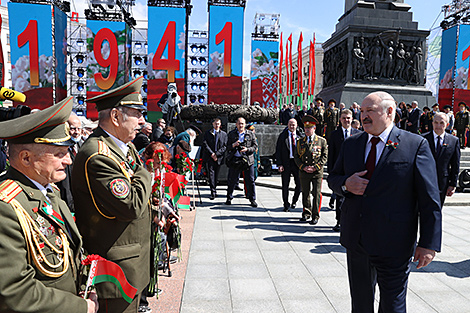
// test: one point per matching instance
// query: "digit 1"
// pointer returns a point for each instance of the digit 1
(30, 34)
(112, 61)
(465, 56)
(170, 64)
(225, 35)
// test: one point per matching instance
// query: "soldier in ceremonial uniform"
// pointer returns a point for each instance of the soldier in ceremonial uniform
(318, 113)
(331, 118)
(111, 189)
(310, 156)
(462, 124)
(40, 243)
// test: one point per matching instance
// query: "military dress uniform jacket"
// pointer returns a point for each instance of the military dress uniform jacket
(462, 120)
(331, 117)
(314, 153)
(113, 214)
(24, 286)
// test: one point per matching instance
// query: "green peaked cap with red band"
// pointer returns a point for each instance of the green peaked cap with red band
(127, 95)
(47, 126)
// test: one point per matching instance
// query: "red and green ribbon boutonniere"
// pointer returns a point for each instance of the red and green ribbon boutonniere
(392, 144)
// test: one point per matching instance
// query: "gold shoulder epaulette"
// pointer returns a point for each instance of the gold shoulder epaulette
(54, 186)
(103, 148)
(9, 189)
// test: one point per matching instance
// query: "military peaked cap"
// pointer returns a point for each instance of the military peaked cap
(127, 95)
(309, 121)
(47, 126)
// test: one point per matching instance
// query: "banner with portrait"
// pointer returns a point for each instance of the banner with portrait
(225, 54)
(264, 72)
(447, 66)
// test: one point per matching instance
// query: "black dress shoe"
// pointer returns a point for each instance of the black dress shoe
(253, 203)
(286, 208)
(228, 202)
(337, 227)
(238, 188)
(314, 220)
(332, 204)
(211, 197)
(292, 206)
(304, 219)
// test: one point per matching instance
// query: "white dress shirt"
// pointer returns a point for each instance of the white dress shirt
(291, 146)
(380, 146)
(435, 139)
(123, 146)
(346, 129)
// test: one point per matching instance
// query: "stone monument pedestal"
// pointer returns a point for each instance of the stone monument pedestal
(376, 46)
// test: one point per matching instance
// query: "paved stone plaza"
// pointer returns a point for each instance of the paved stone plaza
(245, 259)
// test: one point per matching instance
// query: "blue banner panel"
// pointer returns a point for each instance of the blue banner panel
(264, 72)
(225, 53)
(60, 22)
(447, 69)
(108, 56)
(31, 52)
(166, 54)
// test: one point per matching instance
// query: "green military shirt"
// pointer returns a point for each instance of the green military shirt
(462, 120)
(331, 117)
(111, 195)
(27, 282)
(314, 153)
(318, 113)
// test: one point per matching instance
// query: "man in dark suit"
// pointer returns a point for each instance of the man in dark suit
(446, 151)
(285, 150)
(334, 146)
(241, 143)
(214, 145)
(158, 130)
(389, 187)
(413, 118)
(288, 113)
(356, 111)
(142, 139)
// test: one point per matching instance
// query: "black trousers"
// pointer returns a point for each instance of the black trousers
(212, 168)
(249, 176)
(290, 170)
(339, 204)
(391, 274)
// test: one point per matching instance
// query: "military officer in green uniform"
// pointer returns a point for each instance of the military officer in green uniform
(462, 124)
(39, 241)
(318, 113)
(310, 156)
(111, 190)
(331, 118)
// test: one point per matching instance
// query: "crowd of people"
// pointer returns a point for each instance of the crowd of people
(67, 188)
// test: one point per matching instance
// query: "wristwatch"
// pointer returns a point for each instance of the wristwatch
(344, 189)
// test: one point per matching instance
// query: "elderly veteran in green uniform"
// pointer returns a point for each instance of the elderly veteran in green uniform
(111, 190)
(39, 241)
(310, 156)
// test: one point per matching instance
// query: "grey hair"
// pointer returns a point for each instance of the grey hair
(444, 115)
(387, 100)
(14, 149)
(191, 133)
(105, 114)
(414, 102)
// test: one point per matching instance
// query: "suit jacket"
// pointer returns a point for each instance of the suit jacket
(402, 190)
(356, 115)
(413, 118)
(112, 196)
(141, 141)
(249, 142)
(211, 146)
(287, 115)
(23, 287)
(156, 133)
(334, 145)
(283, 148)
(65, 185)
(448, 160)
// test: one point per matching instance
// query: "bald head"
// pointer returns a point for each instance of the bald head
(377, 112)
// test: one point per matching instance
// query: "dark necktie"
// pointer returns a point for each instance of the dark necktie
(371, 158)
(345, 133)
(293, 141)
(438, 146)
(52, 198)
(215, 135)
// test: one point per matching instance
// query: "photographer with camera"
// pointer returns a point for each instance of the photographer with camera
(241, 145)
(170, 104)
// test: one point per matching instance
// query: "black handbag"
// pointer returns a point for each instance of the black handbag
(238, 163)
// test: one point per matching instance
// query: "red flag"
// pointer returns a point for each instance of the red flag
(290, 64)
(184, 202)
(312, 71)
(281, 59)
(102, 270)
(300, 88)
(287, 68)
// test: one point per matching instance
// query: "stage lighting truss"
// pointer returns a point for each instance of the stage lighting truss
(168, 3)
(63, 5)
(456, 13)
(197, 99)
(77, 65)
(266, 26)
(228, 3)
(197, 67)
(111, 10)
